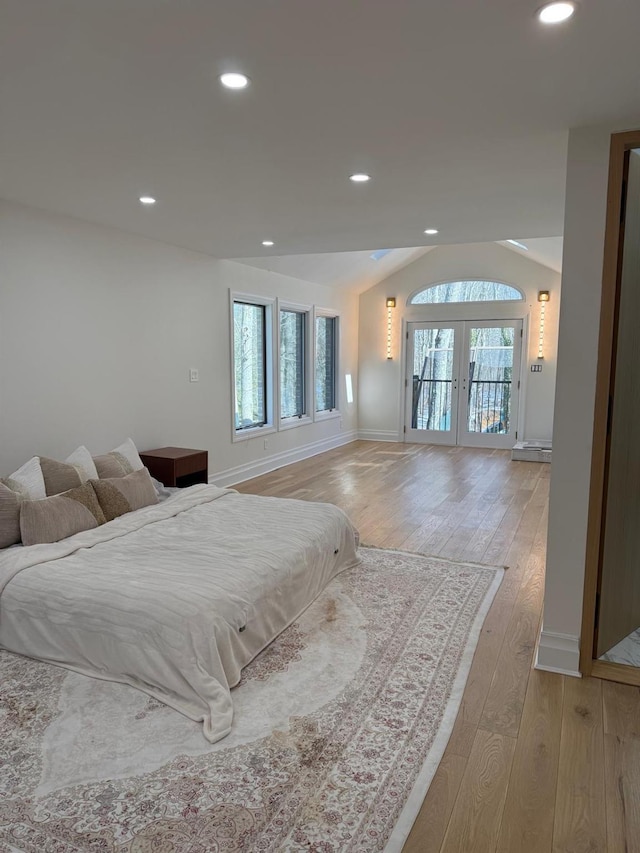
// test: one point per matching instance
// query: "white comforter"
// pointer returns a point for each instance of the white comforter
(176, 598)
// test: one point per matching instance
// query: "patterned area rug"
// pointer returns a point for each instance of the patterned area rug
(339, 726)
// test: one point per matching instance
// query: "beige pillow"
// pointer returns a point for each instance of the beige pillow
(9, 516)
(59, 476)
(27, 483)
(28, 480)
(118, 495)
(124, 460)
(57, 517)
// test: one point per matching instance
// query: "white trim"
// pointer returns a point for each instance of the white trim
(379, 435)
(240, 473)
(558, 653)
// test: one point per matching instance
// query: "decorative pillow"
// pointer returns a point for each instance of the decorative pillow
(57, 517)
(28, 480)
(59, 476)
(118, 495)
(119, 462)
(9, 516)
(83, 463)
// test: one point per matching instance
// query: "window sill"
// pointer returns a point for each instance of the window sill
(328, 416)
(292, 423)
(253, 432)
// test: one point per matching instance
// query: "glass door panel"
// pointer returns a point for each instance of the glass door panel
(490, 384)
(432, 383)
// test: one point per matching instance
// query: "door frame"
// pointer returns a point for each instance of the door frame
(519, 373)
(621, 143)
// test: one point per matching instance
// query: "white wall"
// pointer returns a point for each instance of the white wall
(380, 383)
(98, 330)
(585, 213)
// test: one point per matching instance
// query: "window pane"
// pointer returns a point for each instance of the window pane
(292, 367)
(490, 379)
(326, 328)
(467, 291)
(249, 345)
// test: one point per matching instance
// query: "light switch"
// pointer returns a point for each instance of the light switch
(194, 376)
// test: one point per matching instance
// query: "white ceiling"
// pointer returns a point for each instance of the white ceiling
(458, 108)
(359, 271)
(356, 270)
(544, 250)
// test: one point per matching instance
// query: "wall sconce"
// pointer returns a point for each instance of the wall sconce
(391, 303)
(543, 298)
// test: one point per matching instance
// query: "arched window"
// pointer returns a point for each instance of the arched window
(466, 291)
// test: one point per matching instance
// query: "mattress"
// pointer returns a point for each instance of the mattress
(174, 599)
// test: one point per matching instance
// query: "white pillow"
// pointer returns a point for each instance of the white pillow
(83, 463)
(130, 453)
(28, 480)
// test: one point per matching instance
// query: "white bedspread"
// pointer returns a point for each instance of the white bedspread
(176, 598)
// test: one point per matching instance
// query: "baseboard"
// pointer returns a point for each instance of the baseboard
(240, 473)
(559, 653)
(378, 435)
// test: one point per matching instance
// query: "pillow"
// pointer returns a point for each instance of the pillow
(59, 476)
(118, 495)
(119, 462)
(28, 480)
(57, 517)
(83, 463)
(9, 516)
(27, 483)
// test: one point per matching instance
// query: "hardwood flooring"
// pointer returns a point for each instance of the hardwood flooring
(536, 763)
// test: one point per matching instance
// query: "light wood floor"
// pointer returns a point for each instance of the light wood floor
(537, 763)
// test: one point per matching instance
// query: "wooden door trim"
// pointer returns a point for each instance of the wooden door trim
(616, 671)
(620, 144)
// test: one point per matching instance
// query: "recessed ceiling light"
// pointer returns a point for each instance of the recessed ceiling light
(267, 242)
(555, 13)
(147, 199)
(359, 178)
(431, 231)
(519, 245)
(234, 80)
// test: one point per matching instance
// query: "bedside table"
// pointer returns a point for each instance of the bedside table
(177, 466)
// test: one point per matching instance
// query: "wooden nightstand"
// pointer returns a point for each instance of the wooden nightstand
(177, 466)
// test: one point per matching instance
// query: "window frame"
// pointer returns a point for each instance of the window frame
(269, 304)
(294, 421)
(328, 414)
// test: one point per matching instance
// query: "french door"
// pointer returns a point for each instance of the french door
(462, 382)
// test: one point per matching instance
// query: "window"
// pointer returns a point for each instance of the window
(466, 291)
(251, 363)
(326, 363)
(293, 363)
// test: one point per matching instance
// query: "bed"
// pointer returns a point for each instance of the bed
(175, 598)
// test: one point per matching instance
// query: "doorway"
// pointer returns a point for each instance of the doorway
(462, 382)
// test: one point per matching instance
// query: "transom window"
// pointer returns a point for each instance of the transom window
(466, 291)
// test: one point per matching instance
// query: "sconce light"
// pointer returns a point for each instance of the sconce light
(391, 303)
(543, 298)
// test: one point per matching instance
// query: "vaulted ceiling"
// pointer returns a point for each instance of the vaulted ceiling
(458, 109)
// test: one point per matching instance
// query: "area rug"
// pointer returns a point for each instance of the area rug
(339, 727)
